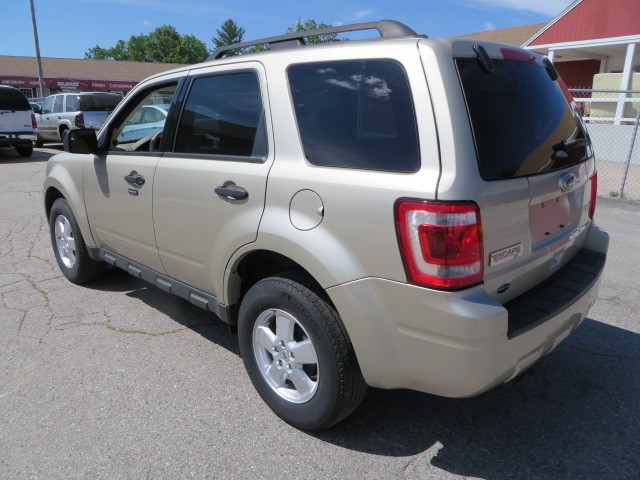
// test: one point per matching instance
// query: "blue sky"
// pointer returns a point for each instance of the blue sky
(68, 28)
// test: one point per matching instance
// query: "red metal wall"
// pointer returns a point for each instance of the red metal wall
(593, 19)
(579, 73)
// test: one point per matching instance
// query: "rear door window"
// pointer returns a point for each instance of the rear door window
(57, 103)
(519, 118)
(72, 103)
(356, 114)
(13, 100)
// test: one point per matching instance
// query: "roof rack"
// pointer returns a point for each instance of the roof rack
(386, 28)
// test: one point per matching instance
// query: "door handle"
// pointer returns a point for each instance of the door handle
(235, 192)
(134, 178)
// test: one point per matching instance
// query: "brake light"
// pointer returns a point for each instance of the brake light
(440, 243)
(517, 55)
(34, 123)
(594, 195)
(79, 120)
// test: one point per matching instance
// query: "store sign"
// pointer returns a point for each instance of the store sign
(68, 84)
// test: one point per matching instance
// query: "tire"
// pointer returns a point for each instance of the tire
(298, 355)
(39, 142)
(25, 150)
(69, 247)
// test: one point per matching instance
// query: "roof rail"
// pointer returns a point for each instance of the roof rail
(386, 28)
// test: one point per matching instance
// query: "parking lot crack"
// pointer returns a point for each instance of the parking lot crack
(599, 354)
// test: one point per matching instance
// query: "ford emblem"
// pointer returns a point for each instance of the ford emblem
(567, 181)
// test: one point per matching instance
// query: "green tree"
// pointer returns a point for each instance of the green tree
(163, 45)
(304, 25)
(229, 33)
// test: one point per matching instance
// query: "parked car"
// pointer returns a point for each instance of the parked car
(69, 111)
(17, 121)
(149, 119)
(402, 212)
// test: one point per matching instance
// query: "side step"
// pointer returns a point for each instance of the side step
(197, 297)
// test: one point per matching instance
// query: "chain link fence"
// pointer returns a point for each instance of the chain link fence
(612, 118)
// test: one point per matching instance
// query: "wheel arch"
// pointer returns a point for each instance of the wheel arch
(62, 182)
(255, 265)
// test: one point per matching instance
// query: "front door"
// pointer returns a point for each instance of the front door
(118, 187)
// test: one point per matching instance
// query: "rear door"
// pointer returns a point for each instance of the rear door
(15, 112)
(534, 166)
(209, 189)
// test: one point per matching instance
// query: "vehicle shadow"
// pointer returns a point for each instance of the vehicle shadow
(9, 155)
(575, 414)
(181, 311)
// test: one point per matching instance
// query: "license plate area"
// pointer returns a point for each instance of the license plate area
(551, 218)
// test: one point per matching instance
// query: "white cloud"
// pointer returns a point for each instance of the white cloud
(489, 26)
(146, 23)
(545, 7)
(360, 14)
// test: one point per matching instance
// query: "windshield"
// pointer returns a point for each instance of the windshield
(521, 122)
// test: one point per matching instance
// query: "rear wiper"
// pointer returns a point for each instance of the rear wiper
(566, 145)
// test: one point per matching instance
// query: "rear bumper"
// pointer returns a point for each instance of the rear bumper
(456, 344)
(16, 139)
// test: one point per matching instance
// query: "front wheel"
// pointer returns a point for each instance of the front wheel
(69, 247)
(298, 354)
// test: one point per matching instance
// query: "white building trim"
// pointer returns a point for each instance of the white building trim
(552, 22)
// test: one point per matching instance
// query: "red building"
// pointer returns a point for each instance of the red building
(591, 37)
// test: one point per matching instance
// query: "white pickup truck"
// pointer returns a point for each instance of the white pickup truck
(68, 111)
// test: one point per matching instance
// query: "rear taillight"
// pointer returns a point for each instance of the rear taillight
(34, 123)
(79, 120)
(594, 195)
(440, 243)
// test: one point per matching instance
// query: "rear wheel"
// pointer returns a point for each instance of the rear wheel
(69, 247)
(298, 354)
(25, 150)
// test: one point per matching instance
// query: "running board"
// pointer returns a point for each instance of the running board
(197, 297)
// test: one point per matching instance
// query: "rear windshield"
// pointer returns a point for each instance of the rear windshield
(356, 114)
(518, 115)
(13, 99)
(99, 103)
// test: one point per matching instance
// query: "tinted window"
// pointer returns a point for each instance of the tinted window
(223, 115)
(72, 103)
(356, 114)
(99, 102)
(517, 115)
(13, 99)
(57, 104)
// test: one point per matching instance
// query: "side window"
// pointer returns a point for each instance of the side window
(72, 103)
(356, 114)
(137, 132)
(223, 115)
(57, 104)
(47, 106)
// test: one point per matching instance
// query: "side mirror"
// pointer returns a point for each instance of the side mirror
(83, 140)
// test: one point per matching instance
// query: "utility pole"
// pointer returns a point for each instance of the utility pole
(35, 37)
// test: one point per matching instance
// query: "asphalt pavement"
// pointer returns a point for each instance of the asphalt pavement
(118, 379)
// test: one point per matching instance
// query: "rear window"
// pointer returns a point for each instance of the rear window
(98, 103)
(13, 99)
(518, 114)
(356, 114)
